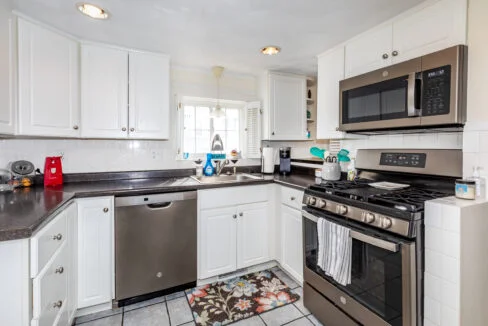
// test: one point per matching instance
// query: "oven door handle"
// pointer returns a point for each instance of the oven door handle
(380, 243)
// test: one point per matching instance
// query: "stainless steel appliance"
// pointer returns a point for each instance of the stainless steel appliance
(425, 92)
(387, 234)
(155, 243)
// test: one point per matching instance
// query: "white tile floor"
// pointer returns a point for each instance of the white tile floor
(174, 310)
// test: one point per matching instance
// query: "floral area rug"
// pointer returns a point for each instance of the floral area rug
(242, 297)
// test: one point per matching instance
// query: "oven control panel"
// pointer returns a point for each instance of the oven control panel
(413, 160)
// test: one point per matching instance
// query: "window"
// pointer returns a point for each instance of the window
(237, 128)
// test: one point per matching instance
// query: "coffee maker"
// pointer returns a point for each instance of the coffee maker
(285, 160)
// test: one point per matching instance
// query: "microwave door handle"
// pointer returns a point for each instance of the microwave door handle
(390, 246)
(413, 111)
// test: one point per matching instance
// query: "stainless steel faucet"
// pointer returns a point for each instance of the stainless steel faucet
(219, 165)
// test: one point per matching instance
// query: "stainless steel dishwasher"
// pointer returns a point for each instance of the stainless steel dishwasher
(155, 243)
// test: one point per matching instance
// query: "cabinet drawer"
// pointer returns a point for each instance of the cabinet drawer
(292, 197)
(45, 243)
(50, 287)
(231, 196)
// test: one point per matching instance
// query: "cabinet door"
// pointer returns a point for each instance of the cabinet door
(366, 52)
(48, 82)
(439, 25)
(149, 96)
(330, 72)
(95, 251)
(7, 71)
(217, 243)
(291, 242)
(287, 107)
(72, 220)
(104, 92)
(252, 234)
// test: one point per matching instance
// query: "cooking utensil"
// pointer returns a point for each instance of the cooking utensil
(317, 152)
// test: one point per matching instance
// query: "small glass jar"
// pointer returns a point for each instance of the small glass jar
(318, 173)
(466, 189)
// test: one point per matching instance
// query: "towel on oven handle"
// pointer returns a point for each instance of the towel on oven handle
(334, 251)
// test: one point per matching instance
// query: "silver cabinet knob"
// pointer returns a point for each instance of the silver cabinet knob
(132, 129)
(272, 133)
(341, 209)
(75, 127)
(105, 209)
(292, 198)
(58, 304)
(234, 216)
(58, 236)
(385, 56)
(124, 129)
(241, 214)
(59, 270)
(394, 53)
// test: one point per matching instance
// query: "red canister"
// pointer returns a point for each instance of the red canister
(53, 171)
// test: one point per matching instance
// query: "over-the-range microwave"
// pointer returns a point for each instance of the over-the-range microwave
(426, 92)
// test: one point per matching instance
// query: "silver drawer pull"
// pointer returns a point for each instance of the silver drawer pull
(59, 270)
(58, 236)
(292, 198)
(58, 304)
(105, 209)
(241, 214)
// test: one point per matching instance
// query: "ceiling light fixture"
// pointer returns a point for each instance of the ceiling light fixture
(217, 112)
(271, 50)
(92, 11)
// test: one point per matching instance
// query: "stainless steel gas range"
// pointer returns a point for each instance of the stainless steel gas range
(387, 233)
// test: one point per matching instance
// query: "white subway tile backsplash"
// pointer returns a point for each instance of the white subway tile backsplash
(432, 310)
(433, 261)
(432, 287)
(451, 219)
(470, 142)
(450, 294)
(483, 142)
(449, 317)
(433, 238)
(433, 214)
(427, 322)
(449, 269)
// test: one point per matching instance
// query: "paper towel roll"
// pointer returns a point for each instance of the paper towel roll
(268, 162)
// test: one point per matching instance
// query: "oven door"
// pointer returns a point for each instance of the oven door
(383, 276)
(382, 99)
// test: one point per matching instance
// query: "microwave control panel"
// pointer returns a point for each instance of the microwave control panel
(413, 160)
(436, 91)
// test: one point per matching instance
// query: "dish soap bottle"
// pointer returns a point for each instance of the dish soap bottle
(351, 170)
(209, 170)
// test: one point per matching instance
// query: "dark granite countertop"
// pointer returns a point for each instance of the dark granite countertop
(23, 211)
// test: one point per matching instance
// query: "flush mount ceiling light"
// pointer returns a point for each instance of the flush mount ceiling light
(92, 11)
(270, 50)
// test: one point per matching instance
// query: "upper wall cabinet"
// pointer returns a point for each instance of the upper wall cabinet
(124, 94)
(7, 72)
(431, 26)
(48, 82)
(285, 113)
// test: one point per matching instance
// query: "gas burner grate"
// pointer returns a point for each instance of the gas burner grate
(331, 186)
(411, 199)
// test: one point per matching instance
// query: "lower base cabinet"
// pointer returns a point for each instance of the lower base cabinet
(292, 242)
(95, 251)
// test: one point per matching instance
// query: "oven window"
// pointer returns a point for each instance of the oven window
(376, 277)
(381, 101)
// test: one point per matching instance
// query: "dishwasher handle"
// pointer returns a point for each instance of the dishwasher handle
(155, 199)
(160, 205)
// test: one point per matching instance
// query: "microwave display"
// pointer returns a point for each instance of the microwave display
(436, 91)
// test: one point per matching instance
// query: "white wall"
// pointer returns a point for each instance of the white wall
(130, 155)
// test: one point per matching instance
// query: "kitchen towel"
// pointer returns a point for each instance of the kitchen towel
(334, 251)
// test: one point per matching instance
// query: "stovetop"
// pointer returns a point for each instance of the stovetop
(410, 199)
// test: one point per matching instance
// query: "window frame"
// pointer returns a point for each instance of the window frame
(209, 102)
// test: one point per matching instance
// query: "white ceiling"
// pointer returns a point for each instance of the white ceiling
(229, 33)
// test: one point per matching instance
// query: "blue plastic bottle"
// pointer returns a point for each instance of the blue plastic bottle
(208, 169)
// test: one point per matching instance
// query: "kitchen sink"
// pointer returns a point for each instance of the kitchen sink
(239, 177)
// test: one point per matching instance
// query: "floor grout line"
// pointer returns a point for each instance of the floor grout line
(291, 321)
(167, 311)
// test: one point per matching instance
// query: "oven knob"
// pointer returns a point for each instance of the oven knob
(369, 217)
(311, 200)
(341, 209)
(386, 223)
(321, 203)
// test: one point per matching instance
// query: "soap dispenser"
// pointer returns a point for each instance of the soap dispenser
(209, 170)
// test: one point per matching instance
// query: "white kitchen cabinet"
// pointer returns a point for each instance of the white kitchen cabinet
(369, 51)
(285, 112)
(252, 234)
(233, 229)
(95, 251)
(429, 27)
(104, 92)
(72, 273)
(125, 94)
(148, 96)
(7, 71)
(291, 242)
(48, 82)
(436, 26)
(217, 241)
(330, 73)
